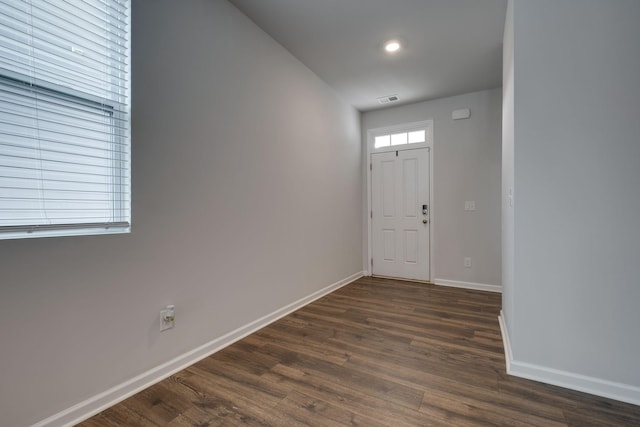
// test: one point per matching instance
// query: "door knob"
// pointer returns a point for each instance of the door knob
(425, 221)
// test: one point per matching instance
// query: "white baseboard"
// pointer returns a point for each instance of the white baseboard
(106, 399)
(468, 285)
(596, 386)
(508, 356)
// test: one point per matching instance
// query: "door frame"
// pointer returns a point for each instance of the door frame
(406, 127)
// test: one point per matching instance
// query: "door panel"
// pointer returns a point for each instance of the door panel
(400, 186)
(388, 189)
(389, 245)
(410, 187)
(411, 246)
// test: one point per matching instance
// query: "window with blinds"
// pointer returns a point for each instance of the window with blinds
(64, 117)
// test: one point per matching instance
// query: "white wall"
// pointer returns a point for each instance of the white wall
(246, 197)
(466, 167)
(577, 175)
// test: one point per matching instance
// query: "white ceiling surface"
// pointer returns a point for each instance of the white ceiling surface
(452, 46)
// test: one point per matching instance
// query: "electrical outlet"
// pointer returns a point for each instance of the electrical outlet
(469, 205)
(467, 262)
(167, 317)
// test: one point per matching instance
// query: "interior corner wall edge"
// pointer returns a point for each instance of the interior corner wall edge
(508, 189)
(234, 214)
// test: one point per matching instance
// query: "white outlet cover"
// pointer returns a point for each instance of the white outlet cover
(164, 325)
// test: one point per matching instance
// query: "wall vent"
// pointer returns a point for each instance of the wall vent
(388, 99)
(464, 113)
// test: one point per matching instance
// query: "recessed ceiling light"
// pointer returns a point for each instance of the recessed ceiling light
(392, 46)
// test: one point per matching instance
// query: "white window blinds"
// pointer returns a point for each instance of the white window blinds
(64, 116)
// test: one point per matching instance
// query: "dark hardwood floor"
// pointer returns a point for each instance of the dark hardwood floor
(377, 352)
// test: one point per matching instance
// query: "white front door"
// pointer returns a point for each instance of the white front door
(400, 213)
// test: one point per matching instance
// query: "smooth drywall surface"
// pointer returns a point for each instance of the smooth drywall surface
(577, 174)
(466, 167)
(508, 190)
(246, 197)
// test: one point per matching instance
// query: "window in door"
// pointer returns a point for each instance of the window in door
(401, 138)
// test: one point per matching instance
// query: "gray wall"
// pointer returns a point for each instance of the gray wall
(577, 175)
(466, 167)
(508, 189)
(246, 197)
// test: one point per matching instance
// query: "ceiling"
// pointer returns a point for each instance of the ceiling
(451, 46)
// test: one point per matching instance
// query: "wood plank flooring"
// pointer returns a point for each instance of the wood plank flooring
(377, 352)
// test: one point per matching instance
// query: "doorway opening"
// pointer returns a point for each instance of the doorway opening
(400, 201)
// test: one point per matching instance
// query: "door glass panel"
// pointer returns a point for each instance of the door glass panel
(399, 138)
(382, 141)
(417, 136)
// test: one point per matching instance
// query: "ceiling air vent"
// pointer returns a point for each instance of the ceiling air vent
(388, 99)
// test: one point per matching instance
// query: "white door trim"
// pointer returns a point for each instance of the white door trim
(371, 134)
